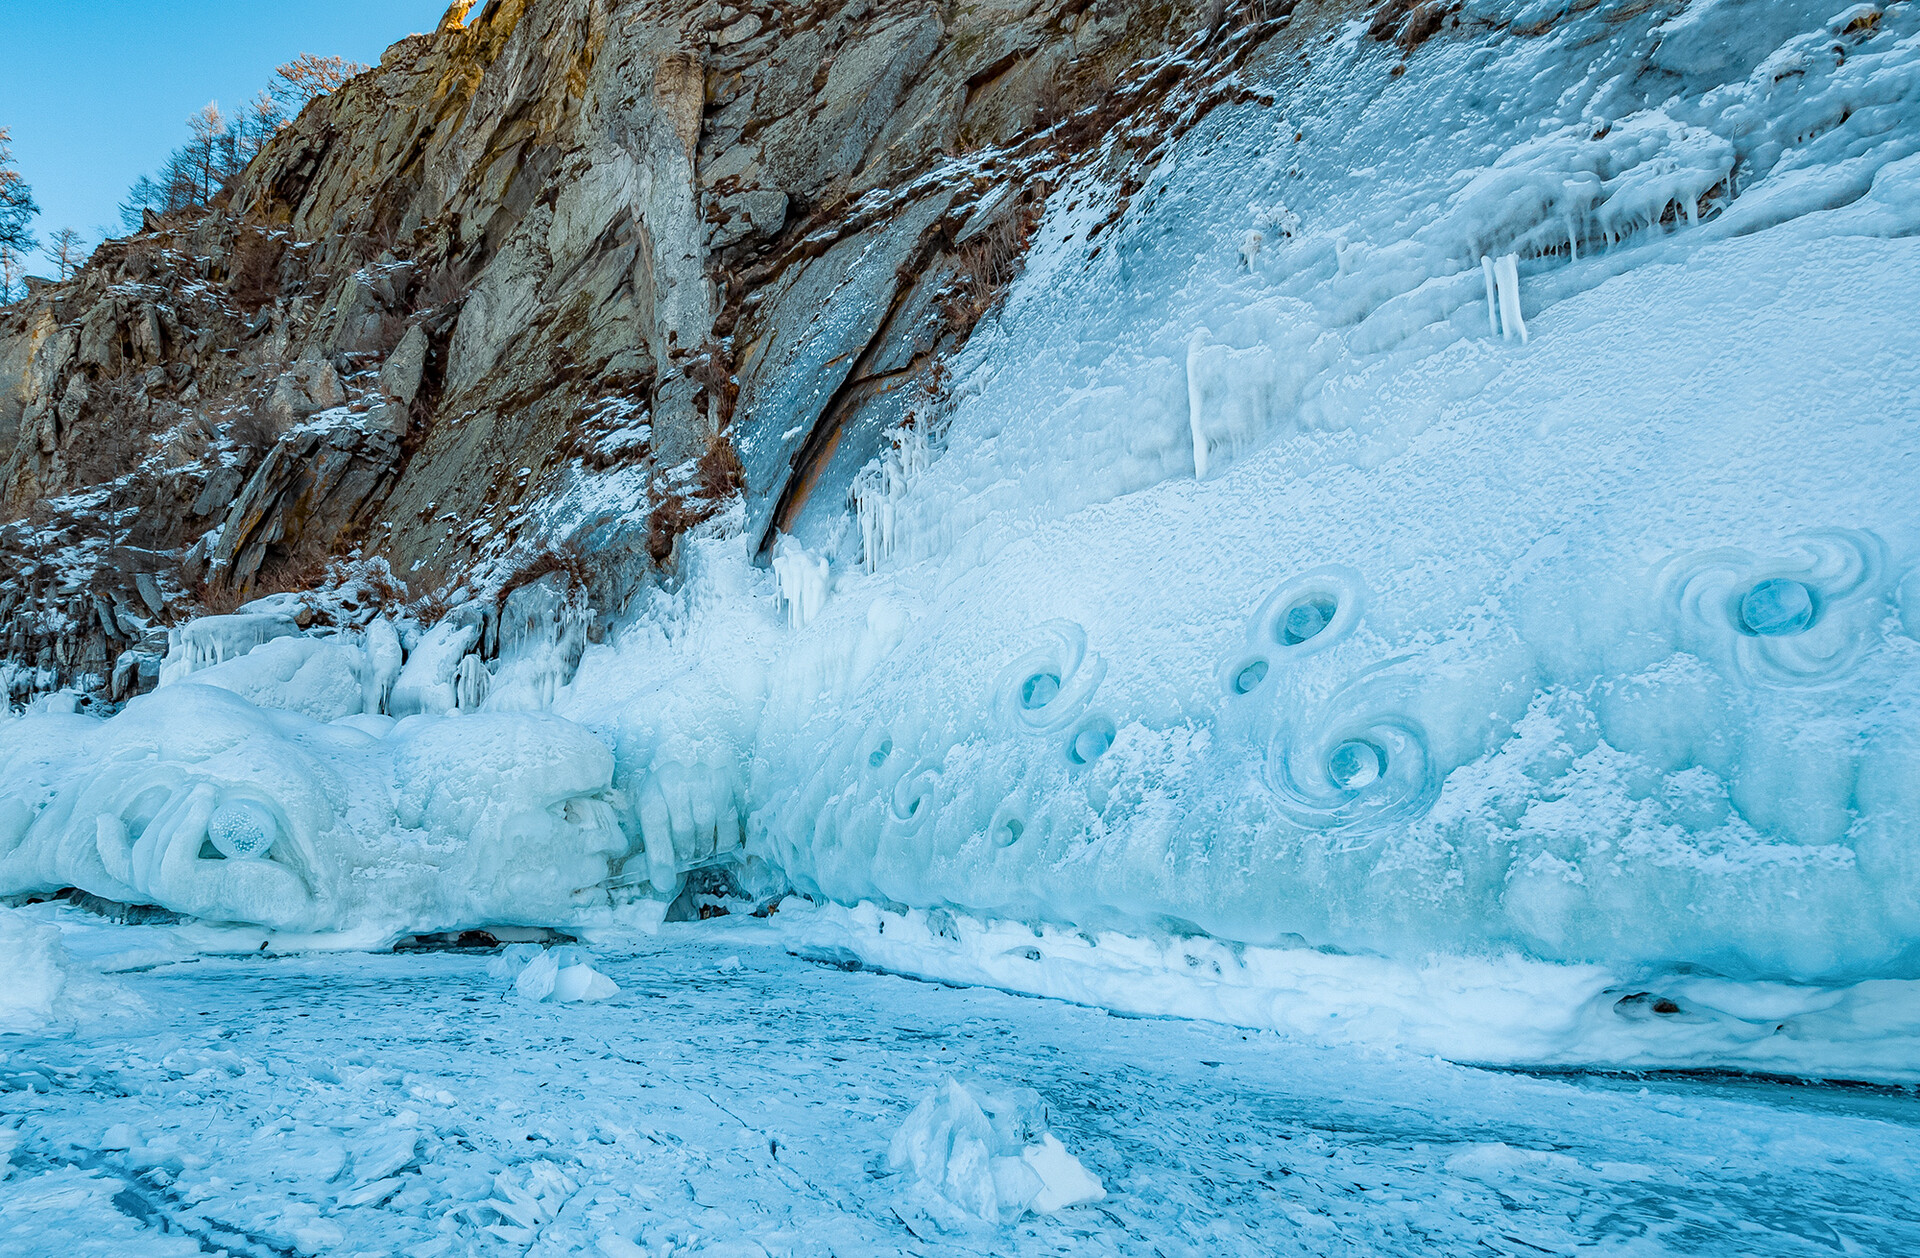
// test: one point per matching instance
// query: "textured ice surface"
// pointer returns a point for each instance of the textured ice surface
(1595, 646)
(734, 1100)
(193, 799)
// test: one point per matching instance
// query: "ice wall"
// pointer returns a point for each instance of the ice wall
(1597, 643)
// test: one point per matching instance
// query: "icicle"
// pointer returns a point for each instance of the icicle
(880, 491)
(1195, 420)
(1493, 302)
(1507, 272)
(471, 683)
(1250, 248)
(803, 581)
(1573, 243)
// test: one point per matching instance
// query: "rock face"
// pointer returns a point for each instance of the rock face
(561, 273)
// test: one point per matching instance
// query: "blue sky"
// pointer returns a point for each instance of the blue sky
(97, 92)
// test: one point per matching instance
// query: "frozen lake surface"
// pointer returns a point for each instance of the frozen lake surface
(733, 1099)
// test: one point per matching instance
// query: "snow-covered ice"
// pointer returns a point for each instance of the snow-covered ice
(409, 1104)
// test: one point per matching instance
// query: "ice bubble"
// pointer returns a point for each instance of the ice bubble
(1305, 620)
(1010, 831)
(879, 755)
(1356, 764)
(242, 829)
(1250, 677)
(1091, 741)
(1039, 691)
(1776, 608)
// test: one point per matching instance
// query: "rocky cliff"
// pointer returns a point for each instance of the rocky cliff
(548, 287)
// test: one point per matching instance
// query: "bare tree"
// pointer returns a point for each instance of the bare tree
(217, 151)
(13, 269)
(307, 76)
(17, 209)
(67, 249)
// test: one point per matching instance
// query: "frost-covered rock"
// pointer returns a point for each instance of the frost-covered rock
(1593, 644)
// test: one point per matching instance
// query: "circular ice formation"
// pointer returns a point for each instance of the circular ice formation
(1777, 607)
(1047, 687)
(1356, 764)
(243, 829)
(1038, 691)
(1247, 678)
(1356, 760)
(1091, 740)
(1009, 824)
(1308, 613)
(1306, 618)
(913, 795)
(1804, 616)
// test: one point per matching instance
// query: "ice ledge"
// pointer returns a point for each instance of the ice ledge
(1495, 1010)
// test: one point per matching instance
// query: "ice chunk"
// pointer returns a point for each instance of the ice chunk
(45, 984)
(426, 682)
(583, 982)
(984, 1152)
(1503, 296)
(36, 966)
(543, 631)
(1064, 1182)
(384, 659)
(1777, 607)
(880, 492)
(1232, 397)
(243, 829)
(471, 684)
(536, 981)
(689, 816)
(552, 975)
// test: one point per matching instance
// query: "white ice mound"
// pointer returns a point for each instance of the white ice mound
(318, 679)
(973, 1151)
(557, 975)
(43, 983)
(193, 799)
